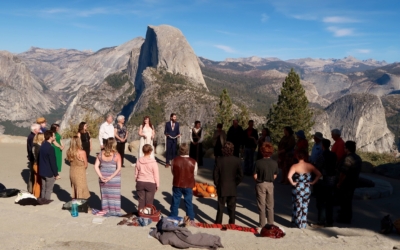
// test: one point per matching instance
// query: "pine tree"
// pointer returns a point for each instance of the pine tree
(224, 112)
(243, 116)
(291, 110)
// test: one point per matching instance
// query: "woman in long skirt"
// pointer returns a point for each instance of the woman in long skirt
(196, 143)
(108, 168)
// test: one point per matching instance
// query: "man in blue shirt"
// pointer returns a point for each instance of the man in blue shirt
(316, 150)
(47, 166)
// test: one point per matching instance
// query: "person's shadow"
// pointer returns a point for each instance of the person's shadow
(132, 159)
(62, 194)
(91, 159)
(25, 175)
(94, 201)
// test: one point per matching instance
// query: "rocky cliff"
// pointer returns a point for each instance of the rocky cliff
(360, 117)
(22, 96)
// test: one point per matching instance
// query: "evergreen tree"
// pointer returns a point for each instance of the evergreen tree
(243, 116)
(291, 110)
(224, 112)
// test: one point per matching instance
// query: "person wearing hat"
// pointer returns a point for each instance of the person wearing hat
(302, 142)
(42, 122)
(316, 150)
(338, 146)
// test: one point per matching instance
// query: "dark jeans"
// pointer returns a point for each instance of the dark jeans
(170, 150)
(31, 178)
(121, 151)
(325, 201)
(249, 161)
(47, 187)
(176, 200)
(145, 192)
(346, 203)
(230, 202)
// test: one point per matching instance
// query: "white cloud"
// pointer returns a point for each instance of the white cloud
(363, 51)
(339, 19)
(225, 48)
(339, 32)
(81, 13)
(226, 32)
(264, 17)
(305, 17)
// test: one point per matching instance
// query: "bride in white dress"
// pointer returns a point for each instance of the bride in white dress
(146, 133)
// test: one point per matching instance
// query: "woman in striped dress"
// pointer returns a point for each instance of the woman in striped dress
(108, 168)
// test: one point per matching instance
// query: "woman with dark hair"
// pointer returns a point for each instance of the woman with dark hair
(146, 133)
(265, 137)
(228, 174)
(219, 139)
(266, 171)
(302, 143)
(300, 177)
(286, 152)
(121, 135)
(196, 143)
(57, 145)
(84, 134)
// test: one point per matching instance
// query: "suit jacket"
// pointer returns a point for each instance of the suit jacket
(168, 129)
(227, 175)
(47, 160)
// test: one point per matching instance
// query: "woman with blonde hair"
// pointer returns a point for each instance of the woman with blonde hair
(77, 173)
(37, 180)
(108, 168)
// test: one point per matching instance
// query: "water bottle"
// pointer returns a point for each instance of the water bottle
(74, 208)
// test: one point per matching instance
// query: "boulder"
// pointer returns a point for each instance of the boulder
(134, 146)
(381, 189)
(367, 167)
(160, 149)
(209, 153)
(391, 170)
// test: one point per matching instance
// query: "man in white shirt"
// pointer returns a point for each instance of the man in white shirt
(106, 130)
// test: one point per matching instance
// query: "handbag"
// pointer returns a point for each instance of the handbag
(150, 211)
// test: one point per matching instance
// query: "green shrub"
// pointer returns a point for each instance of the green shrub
(377, 159)
(93, 122)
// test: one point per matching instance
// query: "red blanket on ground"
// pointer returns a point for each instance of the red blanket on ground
(228, 226)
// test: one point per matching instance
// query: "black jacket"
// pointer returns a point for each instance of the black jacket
(227, 175)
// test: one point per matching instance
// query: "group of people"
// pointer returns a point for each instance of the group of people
(332, 172)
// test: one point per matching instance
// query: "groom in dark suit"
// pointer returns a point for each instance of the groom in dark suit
(172, 133)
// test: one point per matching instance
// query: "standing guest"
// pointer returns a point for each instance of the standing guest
(77, 173)
(42, 123)
(147, 177)
(265, 173)
(183, 169)
(86, 142)
(106, 130)
(286, 152)
(349, 173)
(196, 143)
(265, 137)
(121, 135)
(316, 150)
(338, 146)
(324, 189)
(300, 178)
(58, 145)
(35, 128)
(235, 135)
(146, 133)
(302, 142)
(108, 168)
(227, 175)
(172, 134)
(250, 145)
(37, 180)
(219, 139)
(47, 166)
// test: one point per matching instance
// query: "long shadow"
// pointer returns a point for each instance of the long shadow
(94, 201)
(159, 161)
(127, 205)
(25, 175)
(132, 159)
(62, 194)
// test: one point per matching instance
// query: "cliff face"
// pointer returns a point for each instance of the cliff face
(22, 96)
(361, 118)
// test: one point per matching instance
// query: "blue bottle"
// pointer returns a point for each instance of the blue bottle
(74, 208)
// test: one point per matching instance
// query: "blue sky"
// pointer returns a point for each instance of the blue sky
(216, 29)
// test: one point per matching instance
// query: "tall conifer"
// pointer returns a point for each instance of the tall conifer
(291, 109)
(224, 113)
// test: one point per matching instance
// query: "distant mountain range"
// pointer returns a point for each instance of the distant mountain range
(155, 76)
